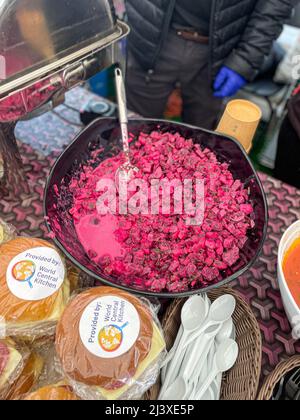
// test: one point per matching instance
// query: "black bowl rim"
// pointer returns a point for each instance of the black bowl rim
(142, 292)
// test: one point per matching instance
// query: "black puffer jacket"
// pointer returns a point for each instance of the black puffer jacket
(241, 31)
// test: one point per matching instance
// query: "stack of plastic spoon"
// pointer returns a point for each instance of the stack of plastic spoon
(193, 314)
(195, 357)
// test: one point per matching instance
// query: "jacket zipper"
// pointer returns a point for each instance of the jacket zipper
(170, 11)
(211, 37)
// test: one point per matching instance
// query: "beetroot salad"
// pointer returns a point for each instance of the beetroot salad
(163, 252)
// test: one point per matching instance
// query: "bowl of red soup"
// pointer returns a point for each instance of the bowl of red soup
(289, 272)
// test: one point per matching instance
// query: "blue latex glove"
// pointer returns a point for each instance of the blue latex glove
(228, 83)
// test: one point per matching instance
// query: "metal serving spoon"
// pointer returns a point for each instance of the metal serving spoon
(127, 171)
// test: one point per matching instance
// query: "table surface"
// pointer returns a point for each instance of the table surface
(41, 142)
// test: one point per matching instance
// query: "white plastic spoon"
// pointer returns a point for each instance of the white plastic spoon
(225, 359)
(208, 395)
(218, 385)
(190, 349)
(207, 351)
(225, 332)
(203, 374)
(189, 372)
(186, 350)
(210, 361)
(170, 355)
(186, 374)
(193, 315)
(220, 311)
(215, 389)
(177, 392)
(200, 351)
(179, 336)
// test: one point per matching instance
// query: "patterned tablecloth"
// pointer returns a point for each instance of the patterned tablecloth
(43, 139)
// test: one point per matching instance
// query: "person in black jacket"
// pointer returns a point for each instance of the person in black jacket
(211, 47)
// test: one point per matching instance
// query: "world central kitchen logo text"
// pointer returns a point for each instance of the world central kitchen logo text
(111, 336)
(27, 271)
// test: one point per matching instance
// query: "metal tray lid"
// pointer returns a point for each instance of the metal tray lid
(38, 37)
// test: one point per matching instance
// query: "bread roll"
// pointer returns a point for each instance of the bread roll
(52, 393)
(34, 287)
(103, 336)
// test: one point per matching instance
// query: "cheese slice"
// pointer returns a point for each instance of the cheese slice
(158, 346)
(1, 234)
(57, 311)
(13, 363)
(30, 374)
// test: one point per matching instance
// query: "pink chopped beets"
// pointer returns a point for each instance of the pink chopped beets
(162, 253)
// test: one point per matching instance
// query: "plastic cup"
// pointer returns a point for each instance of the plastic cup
(240, 120)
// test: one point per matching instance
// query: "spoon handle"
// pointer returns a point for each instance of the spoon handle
(206, 384)
(173, 349)
(122, 108)
(171, 355)
(194, 336)
(121, 96)
(219, 384)
(199, 367)
(174, 365)
(198, 350)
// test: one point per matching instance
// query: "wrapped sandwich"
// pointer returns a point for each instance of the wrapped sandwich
(109, 344)
(34, 288)
(13, 359)
(59, 392)
(29, 376)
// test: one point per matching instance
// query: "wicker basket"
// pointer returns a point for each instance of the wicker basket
(274, 378)
(242, 382)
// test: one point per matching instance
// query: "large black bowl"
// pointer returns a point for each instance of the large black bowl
(106, 133)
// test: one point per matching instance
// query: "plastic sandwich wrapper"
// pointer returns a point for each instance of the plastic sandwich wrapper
(27, 372)
(109, 345)
(35, 287)
(57, 392)
(7, 232)
(49, 383)
(20, 369)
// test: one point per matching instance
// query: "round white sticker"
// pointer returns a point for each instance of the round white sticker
(35, 274)
(109, 327)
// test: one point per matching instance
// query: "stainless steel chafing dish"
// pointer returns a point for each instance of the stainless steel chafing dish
(49, 46)
(46, 48)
